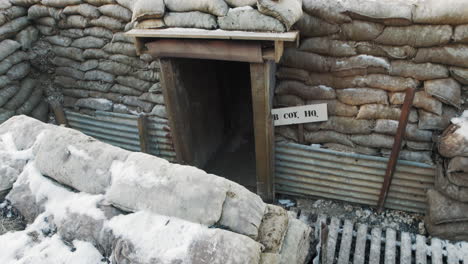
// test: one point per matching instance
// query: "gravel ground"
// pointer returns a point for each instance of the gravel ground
(10, 219)
(397, 220)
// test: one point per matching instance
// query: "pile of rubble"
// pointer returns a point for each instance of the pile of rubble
(82, 194)
(447, 214)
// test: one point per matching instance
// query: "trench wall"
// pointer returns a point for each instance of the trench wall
(359, 57)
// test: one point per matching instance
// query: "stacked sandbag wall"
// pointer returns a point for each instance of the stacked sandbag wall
(21, 85)
(360, 56)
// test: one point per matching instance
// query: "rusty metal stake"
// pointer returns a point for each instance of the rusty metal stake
(391, 165)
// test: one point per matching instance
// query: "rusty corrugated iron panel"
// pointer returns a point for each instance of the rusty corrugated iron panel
(310, 171)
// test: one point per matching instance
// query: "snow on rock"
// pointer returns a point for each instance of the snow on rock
(76, 160)
(35, 246)
(149, 238)
(145, 182)
(24, 130)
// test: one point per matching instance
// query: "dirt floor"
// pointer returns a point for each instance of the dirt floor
(397, 220)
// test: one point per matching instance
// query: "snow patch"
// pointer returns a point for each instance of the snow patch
(462, 122)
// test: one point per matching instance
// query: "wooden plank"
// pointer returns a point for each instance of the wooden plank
(346, 239)
(452, 254)
(360, 249)
(436, 251)
(405, 248)
(139, 45)
(59, 113)
(421, 251)
(279, 49)
(390, 246)
(143, 134)
(212, 34)
(206, 49)
(331, 240)
(376, 236)
(262, 81)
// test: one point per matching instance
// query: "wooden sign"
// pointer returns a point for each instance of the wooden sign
(300, 114)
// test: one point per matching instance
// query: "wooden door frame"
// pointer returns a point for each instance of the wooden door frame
(262, 87)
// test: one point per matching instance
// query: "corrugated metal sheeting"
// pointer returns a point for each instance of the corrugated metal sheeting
(121, 130)
(306, 170)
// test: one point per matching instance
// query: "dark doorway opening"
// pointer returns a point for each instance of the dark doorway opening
(215, 100)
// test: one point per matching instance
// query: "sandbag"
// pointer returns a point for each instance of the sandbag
(445, 187)
(7, 93)
(194, 19)
(11, 13)
(159, 111)
(373, 140)
(33, 101)
(13, 162)
(96, 104)
(25, 3)
(41, 112)
(378, 111)
(360, 96)
(65, 62)
(287, 100)
(72, 33)
(76, 93)
(150, 23)
(5, 115)
(311, 26)
(134, 101)
(417, 156)
(449, 231)
(331, 11)
(428, 120)
(389, 127)
(114, 67)
(126, 3)
(459, 74)
(243, 211)
(144, 9)
(74, 21)
(152, 98)
(47, 31)
(76, 160)
(457, 171)
(392, 52)
(285, 73)
(453, 142)
(347, 125)
(288, 132)
(329, 47)
(286, 11)
(273, 228)
(107, 22)
(295, 58)
(420, 71)
(322, 79)
(125, 90)
(114, 97)
(241, 3)
(22, 95)
(38, 11)
(95, 54)
(99, 32)
(19, 71)
(7, 47)
(436, 12)
(85, 10)
(120, 48)
(122, 37)
(70, 72)
(116, 11)
(214, 7)
(146, 75)
(359, 62)
(305, 92)
(456, 55)
(46, 21)
(416, 36)
(95, 85)
(359, 30)
(424, 101)
(249, 19)
(60, 3)
(96, 75)
(4, 81)
(133, 82)
(88, 65)
(460, 34)
(167, 193)
(379, 81)
(446, 90)
(397, 13)
(337, 108)
(177, 241)
(323, 136)
(297, 243)
(11, 60)
(69, 52)
(355, 149)
(130, 61)
(27, 36)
